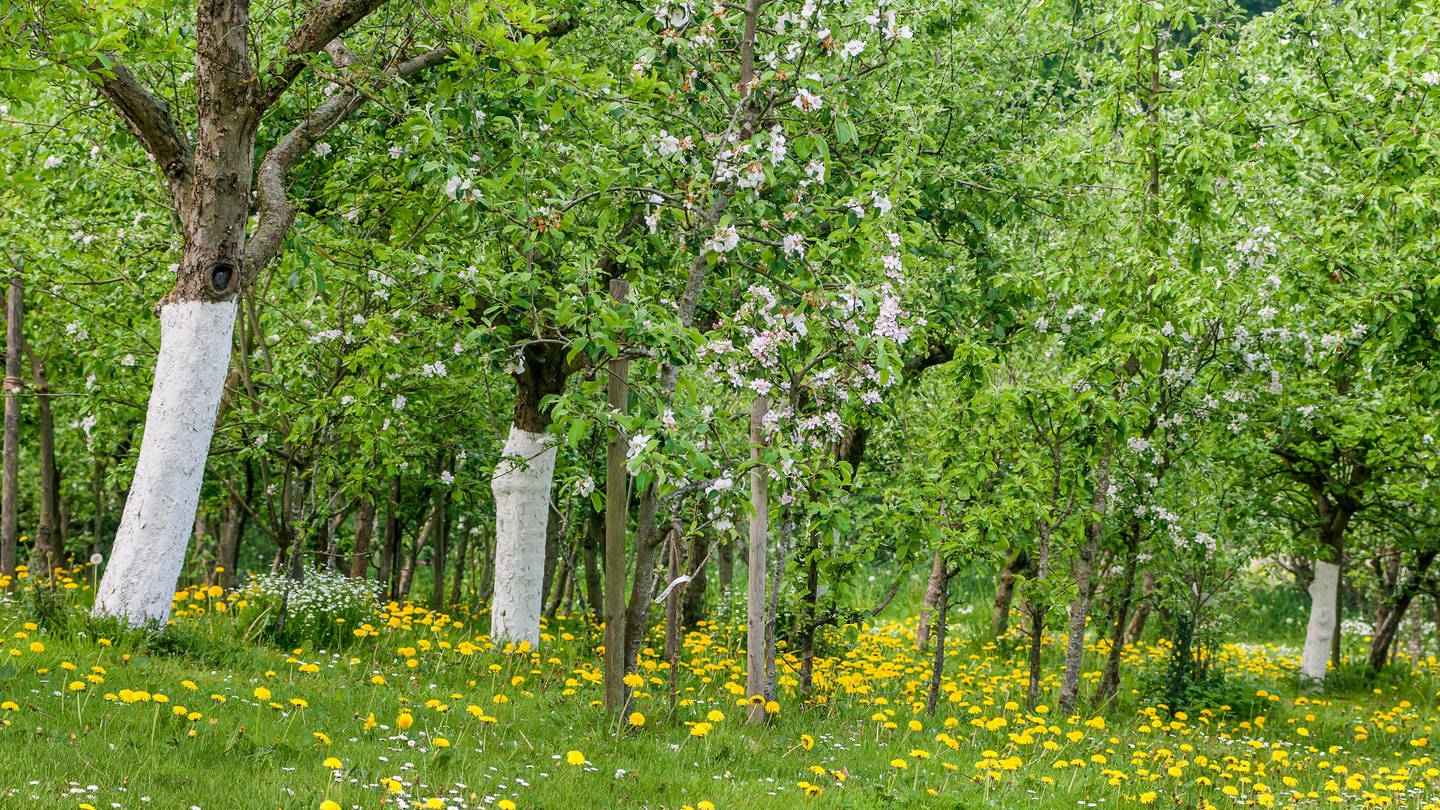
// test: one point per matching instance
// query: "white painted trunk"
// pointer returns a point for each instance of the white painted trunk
(1321, 630)
(522, 507)
(149, 551)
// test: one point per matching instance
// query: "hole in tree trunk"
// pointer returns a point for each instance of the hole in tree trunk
(222, 279)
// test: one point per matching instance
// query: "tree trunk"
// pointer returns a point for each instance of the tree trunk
(390, 541)
(462, 555)
(932, 593)
(439, 551)
(1386, 630)
(593, 540)
(809, 614)
(772, 607)
(1321, 628)
(554, 533)
(672, 603)
(49, 551)
(1036, 614)
(942, 614)
(1109, 687)
(149, 549)
(648, 543)
(521, 485)
(364, 530)
(559, 583)
(1142, 611)
(1336, 650)
(1016, 564)
(617, 513)
(725, 566)
(1084, 573)
(755, 675)
(9, 501)
(227, 547)
(696, 563)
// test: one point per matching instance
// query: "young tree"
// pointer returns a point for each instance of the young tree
(210, 183)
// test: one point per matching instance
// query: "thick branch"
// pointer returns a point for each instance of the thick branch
(276, 211)
(148, 118)
(327, 20)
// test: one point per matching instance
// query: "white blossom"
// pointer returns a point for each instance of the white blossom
(585, 486)
(724, 240)
(807, 101)
(636, 446)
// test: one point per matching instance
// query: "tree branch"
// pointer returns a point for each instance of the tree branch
(327, 20)
(147, 116)
(277, 213)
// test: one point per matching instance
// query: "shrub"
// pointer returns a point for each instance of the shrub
(323, 608)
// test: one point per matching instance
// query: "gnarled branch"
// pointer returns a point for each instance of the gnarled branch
(327, 20)
(147, 116)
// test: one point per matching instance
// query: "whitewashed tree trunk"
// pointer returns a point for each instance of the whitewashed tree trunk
(150, 545)
(522, 507)
(1321, 630)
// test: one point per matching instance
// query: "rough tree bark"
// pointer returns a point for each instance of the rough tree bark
(439, 547)
(390, 541)
(462, 558)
